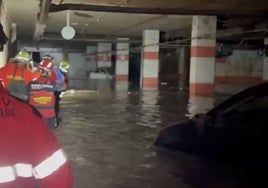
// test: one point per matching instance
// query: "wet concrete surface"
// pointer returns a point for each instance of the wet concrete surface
(108, 136)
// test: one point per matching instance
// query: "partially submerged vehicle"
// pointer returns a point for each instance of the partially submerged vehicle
(234, 129)
(101, 73)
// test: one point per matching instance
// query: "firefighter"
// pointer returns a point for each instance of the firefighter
(30, 154)
(41, 93)
(16, 75)
(50, 58)
(62, 83)
(64, 69)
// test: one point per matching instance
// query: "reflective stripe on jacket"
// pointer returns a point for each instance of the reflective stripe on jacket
(41, 171)
(30, 154)
(41, 96)
(44, 102)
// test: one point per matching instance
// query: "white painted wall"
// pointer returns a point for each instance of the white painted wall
(241, 63)
(78, 66)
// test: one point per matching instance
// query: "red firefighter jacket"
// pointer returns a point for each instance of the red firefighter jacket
(15, 77)
(41, 96)
(30, 154)
(13, 71)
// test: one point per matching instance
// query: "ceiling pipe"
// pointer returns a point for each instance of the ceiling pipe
(41, 19)
(224, 33)
(48, 38)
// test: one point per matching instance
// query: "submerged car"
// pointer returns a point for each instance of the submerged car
(234, 129)
(101, 73)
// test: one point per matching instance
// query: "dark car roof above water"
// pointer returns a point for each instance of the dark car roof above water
(251, 93)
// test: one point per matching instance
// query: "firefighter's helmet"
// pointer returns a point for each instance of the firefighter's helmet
(45, 68)
(64, 66)
(46, 65)
(48, 57)
(22, 57)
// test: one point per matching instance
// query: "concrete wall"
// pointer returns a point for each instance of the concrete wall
(241, 69)
(78, 69)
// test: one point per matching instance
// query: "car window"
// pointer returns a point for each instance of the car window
(255, 96)
(257, 103)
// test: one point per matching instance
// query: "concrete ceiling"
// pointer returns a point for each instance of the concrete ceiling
(106, 20)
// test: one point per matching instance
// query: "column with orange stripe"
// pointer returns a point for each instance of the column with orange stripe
(150, 59)
(104, 55)
(265, 61)
(122, 64)
(203, 47)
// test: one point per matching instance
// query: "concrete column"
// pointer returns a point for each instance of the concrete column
(122, 65)
(265, 62)
(91, 58)
(4, 19)
(104, 55)
(203, 47)
(150, 59)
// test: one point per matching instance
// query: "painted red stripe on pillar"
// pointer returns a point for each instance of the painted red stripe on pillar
(104, 58)
(99, 58)
(121, 77)
(202, 89)
(203, 51)
(91, 58)
(151, 55)
(150, 82)
(122, 57)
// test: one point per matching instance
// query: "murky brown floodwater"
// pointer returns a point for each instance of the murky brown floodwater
(109, 137)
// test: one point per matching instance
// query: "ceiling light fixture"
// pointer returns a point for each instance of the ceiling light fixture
(68, 32)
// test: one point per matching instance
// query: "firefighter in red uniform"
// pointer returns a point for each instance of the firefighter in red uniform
(30, 154)
(41, 93)
(51, 59)
(16, 75)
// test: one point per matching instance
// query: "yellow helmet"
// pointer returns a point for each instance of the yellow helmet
(64, 66)
(22, 56)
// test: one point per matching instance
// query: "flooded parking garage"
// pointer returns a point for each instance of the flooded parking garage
(108, 135)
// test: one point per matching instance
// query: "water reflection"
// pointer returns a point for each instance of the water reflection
(108, 136)
(198, 105)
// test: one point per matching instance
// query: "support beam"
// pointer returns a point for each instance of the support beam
(41, 19)
(157, 10)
